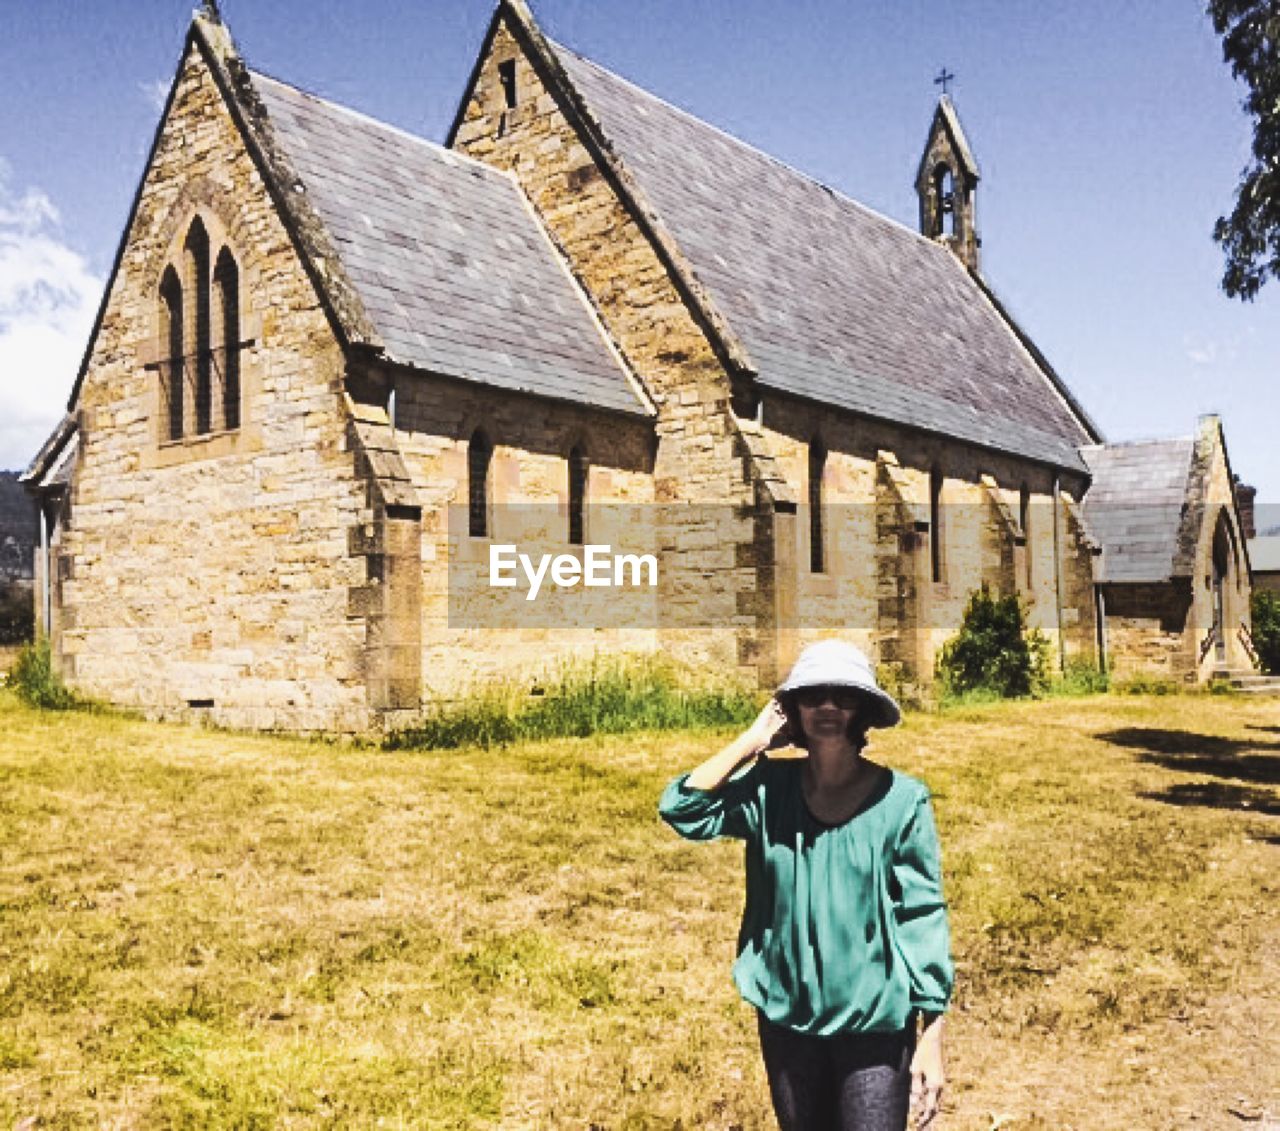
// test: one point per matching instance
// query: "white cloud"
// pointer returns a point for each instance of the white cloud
(156, 92)
(48, 299)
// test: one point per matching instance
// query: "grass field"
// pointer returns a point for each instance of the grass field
(210, 930)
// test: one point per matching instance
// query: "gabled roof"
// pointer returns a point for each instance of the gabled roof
(1135, 506)
(821, 297)
(452, 267)
(946, 118)
(415, 251)
(1264, 553)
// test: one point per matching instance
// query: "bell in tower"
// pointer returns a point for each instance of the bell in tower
(947, 184)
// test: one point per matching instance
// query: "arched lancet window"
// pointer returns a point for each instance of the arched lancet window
(936, 524)
(1024, 519)
(577, 496)
(479, 460)
(172, 343)
(817, 536)
(944, 187)
(226, 322)
(195, 259)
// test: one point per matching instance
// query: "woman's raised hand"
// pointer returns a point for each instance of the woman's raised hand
(766, 726)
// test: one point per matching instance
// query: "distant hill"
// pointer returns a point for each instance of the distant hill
(19, 529)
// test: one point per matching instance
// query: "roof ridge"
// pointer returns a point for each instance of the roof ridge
(808, 177)
(1138, 442)
(452, 154)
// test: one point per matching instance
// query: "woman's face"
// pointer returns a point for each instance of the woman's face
(827, 712)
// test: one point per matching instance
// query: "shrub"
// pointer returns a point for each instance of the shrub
(1080, 677)
(993, 651)
(610, 696)
(35, 681)
(1266, 629)
(1141, 683)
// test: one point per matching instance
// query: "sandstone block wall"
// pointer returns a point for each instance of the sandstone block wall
(473, 634)
(701, 456)
(210, 576)
(879, 587)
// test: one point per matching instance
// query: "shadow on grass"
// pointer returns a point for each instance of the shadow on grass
(1216, 795)
(1208, 754)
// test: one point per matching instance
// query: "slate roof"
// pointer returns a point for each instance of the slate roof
(1264, 553)
(454, 271)
(1134, 506)
(831, 300)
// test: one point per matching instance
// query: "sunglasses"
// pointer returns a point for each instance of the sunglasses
(845, 698)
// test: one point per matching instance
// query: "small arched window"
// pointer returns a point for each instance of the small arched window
(577, 496)
(171, 339)
(195, 260)
(1024, 519)
(944, 193)
(479, 460)
(226, 351)
(817, 535)
(936, 525)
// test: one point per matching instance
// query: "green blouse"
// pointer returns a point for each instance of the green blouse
(845, 928)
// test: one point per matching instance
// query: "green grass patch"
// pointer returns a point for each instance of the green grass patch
(216, 930)
(616, 695)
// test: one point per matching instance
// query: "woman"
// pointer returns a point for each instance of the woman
(844, 948)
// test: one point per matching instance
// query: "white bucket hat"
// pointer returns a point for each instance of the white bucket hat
(837, 663)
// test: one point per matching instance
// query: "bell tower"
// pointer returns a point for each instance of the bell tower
(947, 184)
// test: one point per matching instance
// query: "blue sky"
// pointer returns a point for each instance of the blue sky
(1109, 135)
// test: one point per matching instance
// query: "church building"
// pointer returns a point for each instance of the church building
(340, 371)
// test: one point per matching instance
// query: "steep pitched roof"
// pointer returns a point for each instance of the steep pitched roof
(827, 299)
(1264, 553)
(452, 267)
(1135, 506)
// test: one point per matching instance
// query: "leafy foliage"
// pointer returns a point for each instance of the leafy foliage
(1250, 236)
(993, 651)
(1266, 628)
(35, 681)
(611, 696)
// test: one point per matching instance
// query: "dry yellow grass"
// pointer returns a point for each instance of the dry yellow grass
(201, 929)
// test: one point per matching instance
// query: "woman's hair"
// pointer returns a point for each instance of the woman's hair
(791, 708)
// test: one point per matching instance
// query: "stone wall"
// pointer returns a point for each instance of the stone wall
(210, 576)
(720, 576)
(879, 588)
(473, 634)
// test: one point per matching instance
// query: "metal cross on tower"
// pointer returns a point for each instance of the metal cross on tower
(944, 77)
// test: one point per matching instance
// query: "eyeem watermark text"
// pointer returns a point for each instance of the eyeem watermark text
(599, 568)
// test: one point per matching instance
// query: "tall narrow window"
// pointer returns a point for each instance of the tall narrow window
(226, 353)
(577, 496)
(936, 524)
(196, 286)
(1024, 517)
(944, 187)
(507, 76)
(479, 459)
(817, 468)
(171, 336)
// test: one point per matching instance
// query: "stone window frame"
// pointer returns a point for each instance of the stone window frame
(1024, 521)
(225, 275)
(577, 500)
(818, 460)
(480, 495)
(937, 527)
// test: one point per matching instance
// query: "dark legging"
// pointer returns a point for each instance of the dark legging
(858, 1082)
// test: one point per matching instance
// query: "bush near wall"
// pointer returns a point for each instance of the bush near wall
(1266, 628)
(993, 652)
